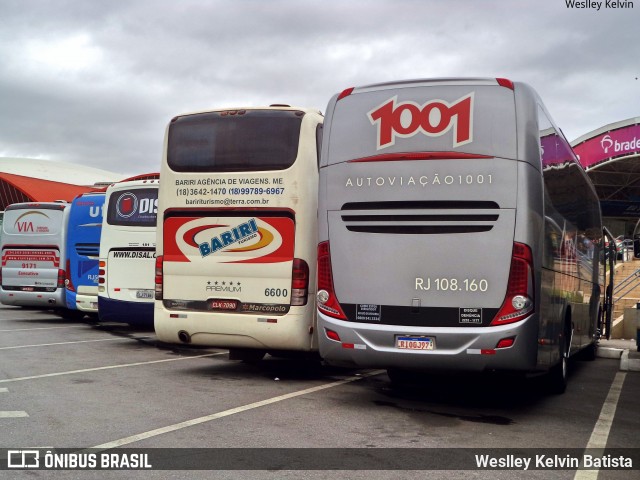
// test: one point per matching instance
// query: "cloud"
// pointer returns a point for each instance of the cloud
(97, 82)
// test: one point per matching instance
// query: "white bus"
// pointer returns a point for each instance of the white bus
(127, 253)
(457, 232)
(237, 230)
(33, 254)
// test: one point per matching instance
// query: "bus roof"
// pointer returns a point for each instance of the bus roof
(43, 205)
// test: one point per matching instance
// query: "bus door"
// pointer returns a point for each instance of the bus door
(609, 258)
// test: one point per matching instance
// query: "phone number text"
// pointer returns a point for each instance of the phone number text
(184, 192)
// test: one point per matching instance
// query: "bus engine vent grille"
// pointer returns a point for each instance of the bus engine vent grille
(88, 249)
(420, 217)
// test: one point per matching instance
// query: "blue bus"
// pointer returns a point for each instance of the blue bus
(83, 249)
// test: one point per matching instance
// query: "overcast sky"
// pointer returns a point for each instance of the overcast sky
(95, 81)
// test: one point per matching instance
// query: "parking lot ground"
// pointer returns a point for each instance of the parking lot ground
(80, 385)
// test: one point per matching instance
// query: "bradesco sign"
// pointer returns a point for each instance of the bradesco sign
(616, 143)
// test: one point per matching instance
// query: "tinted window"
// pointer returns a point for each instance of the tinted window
(234, 141)
(572, 210)
(136, 207)
(319, 130)
(480, 120)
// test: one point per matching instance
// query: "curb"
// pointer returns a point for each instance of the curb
(626, 364)
(629, 364)
(608, 352)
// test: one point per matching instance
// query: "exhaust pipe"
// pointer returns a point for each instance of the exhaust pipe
(52, 301)
(184, 336)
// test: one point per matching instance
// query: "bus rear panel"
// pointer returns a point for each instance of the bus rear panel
(236, 266)
(432, 230)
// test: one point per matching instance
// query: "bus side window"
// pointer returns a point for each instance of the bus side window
(552, 242)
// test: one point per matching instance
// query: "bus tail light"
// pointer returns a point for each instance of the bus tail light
(345, 93)
(68, 281)
(505, 342)
(102, 272)
(158, 277)
(299, 282)
(61, 278)
(519, 301)
(331, 335)
(506, 83)
(327, 300)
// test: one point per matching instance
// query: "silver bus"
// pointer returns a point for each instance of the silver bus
(33, 249)
(457, 232)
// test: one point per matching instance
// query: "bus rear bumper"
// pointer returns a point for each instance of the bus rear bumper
(292, 332)
(136, 314)
(87, 303)
(364, 345)
(33, 299)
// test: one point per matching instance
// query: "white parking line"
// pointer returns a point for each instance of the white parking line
(232, 411)
(14, 414)
(601, 430)
(109, 367)
(40, 328)
(66, 343)
(4, 390)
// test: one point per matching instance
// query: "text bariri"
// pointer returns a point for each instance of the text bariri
(239, 234)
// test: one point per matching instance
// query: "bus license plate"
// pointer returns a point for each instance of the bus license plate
(415, 343)
(223, 304)
(144, 294)
(27, 289)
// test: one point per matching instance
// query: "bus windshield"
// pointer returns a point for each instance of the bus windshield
(234, 141)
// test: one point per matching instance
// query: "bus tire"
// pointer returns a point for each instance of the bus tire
(399, 376)
(246, 355)
(557, 376)
(591, 352)
(73, 315)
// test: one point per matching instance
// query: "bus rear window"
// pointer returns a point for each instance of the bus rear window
(133, 208)
(234, 141)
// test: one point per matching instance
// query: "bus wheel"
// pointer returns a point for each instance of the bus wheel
(557, 376)
(73, 315)
(591, 352)
(398, 376)
(246, 355)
